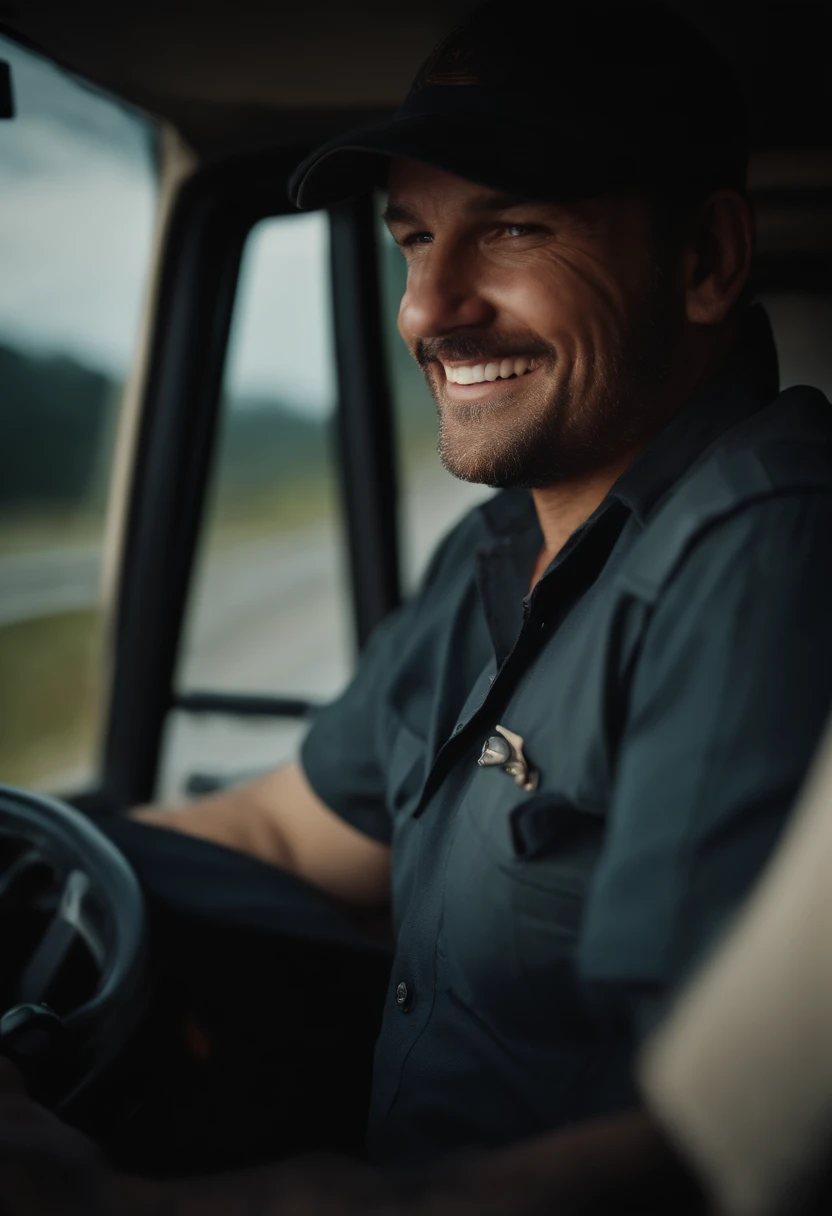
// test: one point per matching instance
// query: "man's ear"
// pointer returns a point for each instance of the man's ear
(718, 257)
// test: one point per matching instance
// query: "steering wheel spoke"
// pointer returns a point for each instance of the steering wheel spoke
(51, 953)
(16, 877)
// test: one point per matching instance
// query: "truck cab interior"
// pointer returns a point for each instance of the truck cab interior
(217, 476)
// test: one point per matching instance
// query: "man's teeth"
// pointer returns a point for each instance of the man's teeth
(487, 371)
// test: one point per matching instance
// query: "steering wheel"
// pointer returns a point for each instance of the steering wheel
(74, 946)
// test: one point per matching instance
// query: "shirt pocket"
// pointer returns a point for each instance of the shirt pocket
(515, 892)
(545, 832)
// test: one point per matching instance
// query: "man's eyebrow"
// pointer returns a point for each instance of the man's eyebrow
(480, 204)
(399, 213)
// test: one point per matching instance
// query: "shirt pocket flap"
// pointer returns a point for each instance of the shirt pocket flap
(549, 823)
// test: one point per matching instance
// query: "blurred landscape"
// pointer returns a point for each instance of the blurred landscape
(273, 476)
(269, 606)
(57, 425)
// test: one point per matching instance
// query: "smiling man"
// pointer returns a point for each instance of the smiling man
(546, 330)
(562, 300)
(564, 763)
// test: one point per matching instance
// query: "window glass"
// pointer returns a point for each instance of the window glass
(269, 610)
(431, 500)
(802, 323)
(77, 198)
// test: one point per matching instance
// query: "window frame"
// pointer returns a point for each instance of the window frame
(200, 262)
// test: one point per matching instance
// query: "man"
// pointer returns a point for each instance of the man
(565, 762)
(651, 620)
(642, 639)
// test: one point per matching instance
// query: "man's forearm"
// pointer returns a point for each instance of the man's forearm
(279, 819)
(622, 1163)
(238, 818)
(49, 1169)
(307, 1186)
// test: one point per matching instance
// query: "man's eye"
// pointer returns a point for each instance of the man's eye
(520, 229)
(414, 238)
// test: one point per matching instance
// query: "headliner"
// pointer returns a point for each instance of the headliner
(237, 74)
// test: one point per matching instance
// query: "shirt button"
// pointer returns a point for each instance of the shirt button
(404, 997)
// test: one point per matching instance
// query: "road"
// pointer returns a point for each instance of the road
(43, 582)
(270, 615)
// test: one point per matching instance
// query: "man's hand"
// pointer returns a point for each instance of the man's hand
(48, 1168)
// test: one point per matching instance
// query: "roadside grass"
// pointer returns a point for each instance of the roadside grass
(231, 520)
(41, 529)
(49, 695)
(50, 666)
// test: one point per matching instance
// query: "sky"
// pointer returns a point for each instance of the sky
(281, 335)
(77, 210)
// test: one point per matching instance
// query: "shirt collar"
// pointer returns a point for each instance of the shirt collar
(747, 381)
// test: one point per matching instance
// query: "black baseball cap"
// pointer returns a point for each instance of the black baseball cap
(554, 101)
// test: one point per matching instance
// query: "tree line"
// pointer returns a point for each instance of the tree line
(57, 427)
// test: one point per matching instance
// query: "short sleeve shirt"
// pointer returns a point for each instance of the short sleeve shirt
(669, 677)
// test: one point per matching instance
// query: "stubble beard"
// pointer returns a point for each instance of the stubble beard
(560, 431)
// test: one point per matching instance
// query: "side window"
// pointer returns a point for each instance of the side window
(794, 231)
(77, 195)
(431, 500)
(269, 611)
(802, 323)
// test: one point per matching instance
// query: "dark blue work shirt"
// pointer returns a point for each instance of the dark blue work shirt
(670, 676)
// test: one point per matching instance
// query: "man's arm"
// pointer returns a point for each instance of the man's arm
(730, 694)
(619, 1164)
(279, 819)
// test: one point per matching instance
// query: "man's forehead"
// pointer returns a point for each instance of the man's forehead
(413, 188)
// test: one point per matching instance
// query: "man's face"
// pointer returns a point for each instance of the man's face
(544, 330)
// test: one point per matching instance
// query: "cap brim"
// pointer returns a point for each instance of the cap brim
(545, 164)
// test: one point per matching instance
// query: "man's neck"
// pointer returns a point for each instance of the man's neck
(563, 508)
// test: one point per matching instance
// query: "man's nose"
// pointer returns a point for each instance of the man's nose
(443, 294)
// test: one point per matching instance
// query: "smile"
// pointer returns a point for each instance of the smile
(479, 373)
